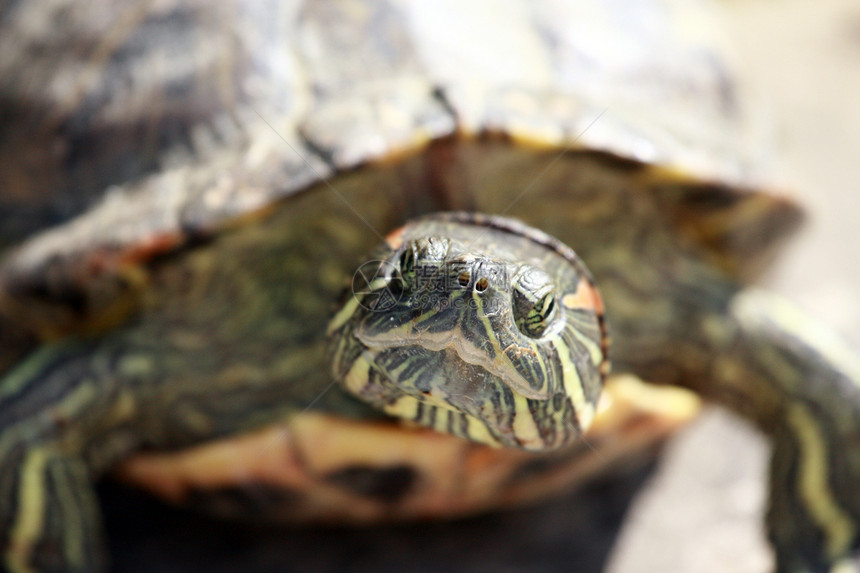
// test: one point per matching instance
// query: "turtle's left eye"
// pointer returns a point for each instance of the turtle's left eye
(532, 316)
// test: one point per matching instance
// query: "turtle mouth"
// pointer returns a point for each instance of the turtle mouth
(494, 365)
(471, 382)
(454, 396)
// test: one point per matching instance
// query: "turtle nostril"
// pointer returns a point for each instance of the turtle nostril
(464, 279)
(482, 284)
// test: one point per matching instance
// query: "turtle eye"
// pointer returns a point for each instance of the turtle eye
(533, 318)
(534, 302)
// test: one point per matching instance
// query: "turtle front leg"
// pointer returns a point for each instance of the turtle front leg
(63, 419)
(801, 384)
(49, 516)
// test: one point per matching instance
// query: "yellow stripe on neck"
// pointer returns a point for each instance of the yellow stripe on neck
(31, 512)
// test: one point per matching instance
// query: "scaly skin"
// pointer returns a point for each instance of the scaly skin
(801, 384)
(180, 372)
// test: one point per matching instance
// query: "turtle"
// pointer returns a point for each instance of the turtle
(390, 260)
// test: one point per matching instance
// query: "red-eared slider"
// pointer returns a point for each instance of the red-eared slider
(214, 176)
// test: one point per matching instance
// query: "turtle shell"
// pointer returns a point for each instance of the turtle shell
(149, 128)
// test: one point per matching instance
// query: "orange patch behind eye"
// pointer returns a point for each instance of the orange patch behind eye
(586, 297)
(394, 239)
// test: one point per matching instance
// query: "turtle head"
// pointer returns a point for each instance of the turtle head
(480, 327)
